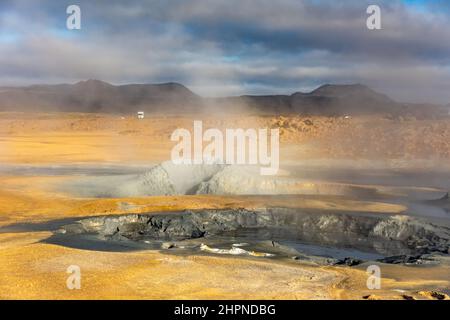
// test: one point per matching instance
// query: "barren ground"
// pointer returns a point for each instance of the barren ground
(33, 269)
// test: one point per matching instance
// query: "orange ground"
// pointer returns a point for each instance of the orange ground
(36, 270)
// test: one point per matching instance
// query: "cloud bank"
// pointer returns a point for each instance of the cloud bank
(232, 47)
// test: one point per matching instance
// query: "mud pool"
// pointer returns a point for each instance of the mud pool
(314, 235)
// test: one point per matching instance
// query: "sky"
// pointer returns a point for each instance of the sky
(232, 47)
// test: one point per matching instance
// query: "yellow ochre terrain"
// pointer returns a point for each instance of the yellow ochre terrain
(30, 268)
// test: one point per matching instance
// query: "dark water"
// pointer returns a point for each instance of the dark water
(247, 242)
(279, 242)
(290, 243)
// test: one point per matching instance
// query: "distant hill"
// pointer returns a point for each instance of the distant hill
(328, 100)
(171, 98)
(99, 96)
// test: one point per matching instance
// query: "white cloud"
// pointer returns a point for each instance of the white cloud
(276, 47)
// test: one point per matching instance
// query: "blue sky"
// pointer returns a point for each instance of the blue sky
(232, 47)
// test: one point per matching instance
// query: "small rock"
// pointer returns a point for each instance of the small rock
(371, 297)
(167, 245)
(349, 262)
(435, 295)
(403, 259)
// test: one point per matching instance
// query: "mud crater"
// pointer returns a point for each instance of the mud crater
(281, 231)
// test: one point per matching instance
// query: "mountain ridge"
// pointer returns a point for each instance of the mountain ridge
(99, 96)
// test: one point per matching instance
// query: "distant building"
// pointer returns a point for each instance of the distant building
(140, 115)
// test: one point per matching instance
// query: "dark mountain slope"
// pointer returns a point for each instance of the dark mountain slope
(172, 98)
(98, 96)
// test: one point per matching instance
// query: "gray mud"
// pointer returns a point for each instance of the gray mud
(337, 238)
(314, 235)
(418, 191)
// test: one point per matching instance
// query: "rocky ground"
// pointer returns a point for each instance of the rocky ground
(72, 138)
